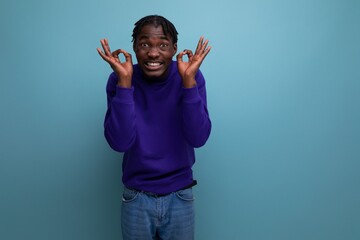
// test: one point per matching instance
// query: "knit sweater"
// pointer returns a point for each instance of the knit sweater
(157, 125)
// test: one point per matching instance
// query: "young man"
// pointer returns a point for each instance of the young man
(157, 115)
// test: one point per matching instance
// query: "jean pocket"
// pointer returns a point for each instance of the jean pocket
(129, 195)
(186, 194)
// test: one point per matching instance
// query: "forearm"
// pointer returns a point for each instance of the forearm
(119, 125)
(196, 121)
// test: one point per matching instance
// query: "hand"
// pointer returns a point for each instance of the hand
(123, 70)
(188, 69)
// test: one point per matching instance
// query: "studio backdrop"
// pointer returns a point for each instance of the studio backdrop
(283, 88)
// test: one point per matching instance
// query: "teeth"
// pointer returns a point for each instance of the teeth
(153, 64)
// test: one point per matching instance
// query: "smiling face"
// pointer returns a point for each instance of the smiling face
(154, 52)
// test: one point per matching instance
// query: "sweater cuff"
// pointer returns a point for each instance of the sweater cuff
(124, 95)
(191, 94)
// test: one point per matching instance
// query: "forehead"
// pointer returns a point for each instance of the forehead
(151, 31)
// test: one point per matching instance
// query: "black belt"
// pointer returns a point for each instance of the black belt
(165, 194)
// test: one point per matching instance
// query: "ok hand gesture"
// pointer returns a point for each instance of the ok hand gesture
(123, 70)
(188, 69)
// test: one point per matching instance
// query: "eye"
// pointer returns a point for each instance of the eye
(164, 46)
(144, 45)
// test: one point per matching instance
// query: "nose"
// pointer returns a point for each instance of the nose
(153, 52)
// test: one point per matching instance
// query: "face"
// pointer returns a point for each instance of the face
(154, 52)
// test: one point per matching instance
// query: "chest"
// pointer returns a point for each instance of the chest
(160, 103)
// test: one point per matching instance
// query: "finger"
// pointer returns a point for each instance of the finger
(199, 44)
(203, 54)
(127, 55)
(189, 53)
(102, 54)
(179, 57)
(202, 47)
(106, 47)
(115, 55)
(102, 42)
(206, 51)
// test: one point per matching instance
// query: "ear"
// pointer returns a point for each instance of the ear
(175, 48)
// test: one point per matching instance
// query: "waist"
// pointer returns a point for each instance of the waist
(152, 194)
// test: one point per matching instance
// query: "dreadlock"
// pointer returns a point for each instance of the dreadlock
(155, 20)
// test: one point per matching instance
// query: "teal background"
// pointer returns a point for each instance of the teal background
(283, 81)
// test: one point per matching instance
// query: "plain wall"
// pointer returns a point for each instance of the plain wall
(283, 84)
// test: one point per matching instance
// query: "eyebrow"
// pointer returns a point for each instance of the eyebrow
(164, 37)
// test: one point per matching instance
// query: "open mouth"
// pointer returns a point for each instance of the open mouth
(153, 65)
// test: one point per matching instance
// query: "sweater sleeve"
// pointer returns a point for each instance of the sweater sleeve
(196, 121)
(119, 124)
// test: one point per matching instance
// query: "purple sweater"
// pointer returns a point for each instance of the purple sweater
(157, 125)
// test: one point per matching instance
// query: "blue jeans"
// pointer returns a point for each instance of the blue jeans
(146, 216)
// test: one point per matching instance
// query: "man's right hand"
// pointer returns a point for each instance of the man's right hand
(123, 70)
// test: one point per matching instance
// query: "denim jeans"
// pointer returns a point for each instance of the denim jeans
(147, 216)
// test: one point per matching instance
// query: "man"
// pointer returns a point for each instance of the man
(157, 115)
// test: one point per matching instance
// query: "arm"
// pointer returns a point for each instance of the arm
(119, 121)
(119, 124)
(196, 120)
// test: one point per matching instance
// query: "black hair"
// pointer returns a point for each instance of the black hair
(155, 20)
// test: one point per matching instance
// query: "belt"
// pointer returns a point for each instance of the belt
(165, 194)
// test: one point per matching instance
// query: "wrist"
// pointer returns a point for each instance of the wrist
(124, 84)
(189, 83)
(124, 81)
